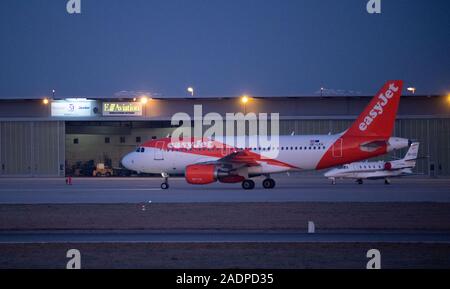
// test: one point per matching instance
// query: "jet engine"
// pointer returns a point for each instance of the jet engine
(201, 174)
(209, 173)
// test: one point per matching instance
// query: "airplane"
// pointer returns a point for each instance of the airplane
(376, 170)
(205, 161)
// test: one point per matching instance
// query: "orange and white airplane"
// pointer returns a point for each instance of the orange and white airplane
(206, 161)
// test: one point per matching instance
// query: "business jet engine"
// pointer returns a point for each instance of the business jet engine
(388, 166)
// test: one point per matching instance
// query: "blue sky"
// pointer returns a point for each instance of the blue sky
(221, 47)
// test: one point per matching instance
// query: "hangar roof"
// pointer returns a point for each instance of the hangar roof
(112, 97)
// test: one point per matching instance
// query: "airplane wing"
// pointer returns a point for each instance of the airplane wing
(246, 158)
(242, 157)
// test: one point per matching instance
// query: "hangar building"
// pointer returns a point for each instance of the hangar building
(53, 137)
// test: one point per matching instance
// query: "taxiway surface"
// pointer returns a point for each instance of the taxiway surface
(289, 189)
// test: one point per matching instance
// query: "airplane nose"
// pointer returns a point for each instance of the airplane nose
(127, 161)
(331, 173)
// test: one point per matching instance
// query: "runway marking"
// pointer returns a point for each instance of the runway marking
(79, 189)
(99, 236)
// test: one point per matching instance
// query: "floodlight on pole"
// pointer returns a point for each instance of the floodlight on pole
(411, 89)
(190, 89)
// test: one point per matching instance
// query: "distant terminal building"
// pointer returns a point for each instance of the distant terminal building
(52, 137)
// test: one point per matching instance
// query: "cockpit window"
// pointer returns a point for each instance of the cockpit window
(142, 150)
(138, 149)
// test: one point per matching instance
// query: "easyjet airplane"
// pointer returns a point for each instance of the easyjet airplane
(205, 161)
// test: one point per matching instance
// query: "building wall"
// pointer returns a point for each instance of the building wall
(32, 148)
(33, 143)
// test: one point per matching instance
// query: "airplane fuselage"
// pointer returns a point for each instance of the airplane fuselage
(306, 152)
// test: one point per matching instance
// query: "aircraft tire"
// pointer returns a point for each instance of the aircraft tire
(248, 185)
(164, 186)
(268, 183)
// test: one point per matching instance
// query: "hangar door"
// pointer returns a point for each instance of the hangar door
(32, 149)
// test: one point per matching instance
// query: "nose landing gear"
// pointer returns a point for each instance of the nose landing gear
(165, 184)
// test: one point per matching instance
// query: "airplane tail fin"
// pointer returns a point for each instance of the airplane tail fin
(378, 118)
(413, 150)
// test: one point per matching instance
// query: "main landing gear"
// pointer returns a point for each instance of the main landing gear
(250, 185)
(165, 184)
(268, 183)
(359, 181)
(387, 181)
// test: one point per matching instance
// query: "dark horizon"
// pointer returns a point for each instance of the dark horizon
(222, 48)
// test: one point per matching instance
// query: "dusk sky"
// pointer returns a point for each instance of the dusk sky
(221, 47)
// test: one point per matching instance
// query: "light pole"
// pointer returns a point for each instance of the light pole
(412, 90)
(144, 99)
(244, 100)
(190, 89)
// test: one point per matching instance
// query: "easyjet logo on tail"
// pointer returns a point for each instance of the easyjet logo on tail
(377, 109)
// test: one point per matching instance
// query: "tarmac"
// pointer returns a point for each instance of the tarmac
(288, 189)
(133, 223)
